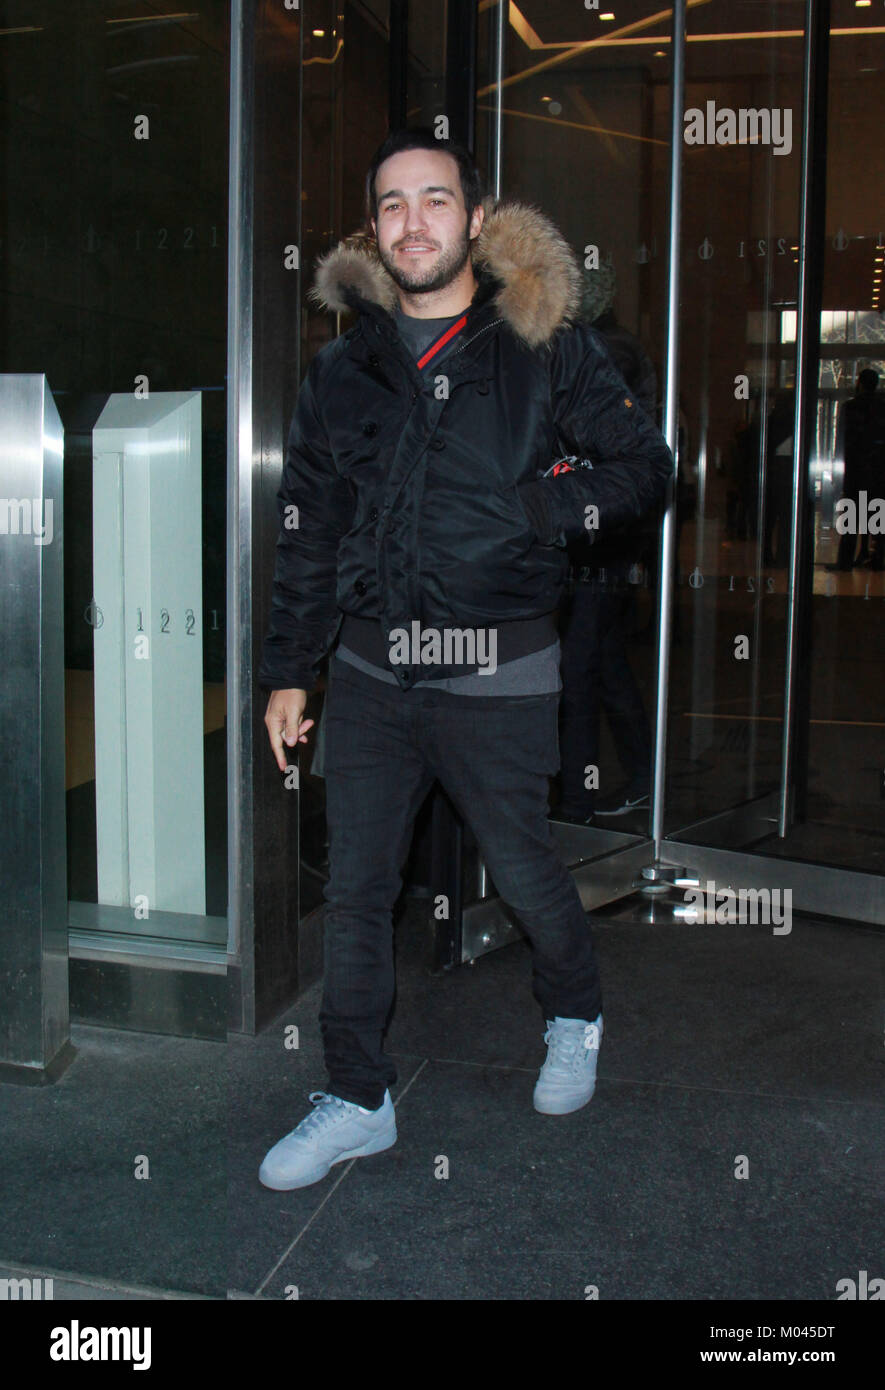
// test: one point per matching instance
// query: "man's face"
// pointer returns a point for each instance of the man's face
(421, 228)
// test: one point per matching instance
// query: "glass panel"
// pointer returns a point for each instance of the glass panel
(116, 141)
(426, 73)
(585, 138)
(841, 793)
(741, 179)
(345, 109)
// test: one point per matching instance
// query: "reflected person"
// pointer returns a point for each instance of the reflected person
(596, 670)
(862, 438)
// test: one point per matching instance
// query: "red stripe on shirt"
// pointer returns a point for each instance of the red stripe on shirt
(441, 342)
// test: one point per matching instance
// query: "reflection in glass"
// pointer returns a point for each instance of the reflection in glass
(116, 288)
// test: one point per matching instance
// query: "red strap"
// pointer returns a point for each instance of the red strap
(441, 342)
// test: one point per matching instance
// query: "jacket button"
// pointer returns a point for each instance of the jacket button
(360, 585)
(374, 359)
(438, 444)
(373, 514)
(370, 427)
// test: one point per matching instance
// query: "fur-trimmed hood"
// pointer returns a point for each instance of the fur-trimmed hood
(539, 280)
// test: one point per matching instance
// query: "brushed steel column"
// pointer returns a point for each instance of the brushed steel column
(34, 1035)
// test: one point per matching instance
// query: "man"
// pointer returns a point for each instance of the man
(423, 534)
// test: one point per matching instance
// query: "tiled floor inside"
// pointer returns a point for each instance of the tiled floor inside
(727, 1049)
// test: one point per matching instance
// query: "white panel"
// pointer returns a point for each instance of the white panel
(149, 718)
(139, 559)
(176, 534)
(112, 840)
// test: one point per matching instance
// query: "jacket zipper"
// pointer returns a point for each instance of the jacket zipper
(477, 335)
(493, 324)
(415, 583)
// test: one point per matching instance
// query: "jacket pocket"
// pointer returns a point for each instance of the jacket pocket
(523, 523)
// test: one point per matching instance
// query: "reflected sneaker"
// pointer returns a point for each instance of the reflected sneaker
(334, 1131)
(567, 1079)
(632, 798)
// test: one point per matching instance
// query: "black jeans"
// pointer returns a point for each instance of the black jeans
(493, 756)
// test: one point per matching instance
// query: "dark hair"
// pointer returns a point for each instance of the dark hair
(868, 380)
(423, 138)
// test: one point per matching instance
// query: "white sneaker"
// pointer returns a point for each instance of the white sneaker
(335, 1130)
(567, 1079)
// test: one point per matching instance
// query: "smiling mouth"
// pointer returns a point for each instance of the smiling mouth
(411, 250)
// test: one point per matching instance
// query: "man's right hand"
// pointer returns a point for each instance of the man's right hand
(284, 722)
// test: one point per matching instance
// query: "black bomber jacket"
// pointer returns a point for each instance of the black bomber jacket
(409, 496)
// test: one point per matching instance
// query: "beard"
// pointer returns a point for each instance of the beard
(420, 279)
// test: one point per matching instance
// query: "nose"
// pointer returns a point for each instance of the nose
(416, 228)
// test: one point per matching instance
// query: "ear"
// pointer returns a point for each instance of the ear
(476, 220)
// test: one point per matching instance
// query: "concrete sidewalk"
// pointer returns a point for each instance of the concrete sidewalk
(726, 1050)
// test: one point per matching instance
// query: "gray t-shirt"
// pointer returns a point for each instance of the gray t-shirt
(418, 334)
